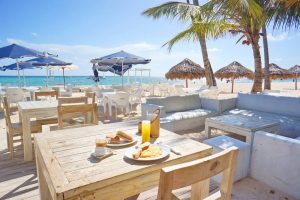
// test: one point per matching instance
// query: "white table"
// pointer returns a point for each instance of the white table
(241, 125)
(33, 109)
(107, 100)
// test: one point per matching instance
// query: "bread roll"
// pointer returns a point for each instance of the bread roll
(113, 138)
(144, 146)
(137, 153)
(125, 136)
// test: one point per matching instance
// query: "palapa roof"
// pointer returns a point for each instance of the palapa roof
(277, 72)
(295, 69)
(234, 70)
(186, 69)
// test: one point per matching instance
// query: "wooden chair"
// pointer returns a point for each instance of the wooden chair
(197, 174)
(66, 110)
(91, 96)
(14, 130)
(45, 94)
(72, 100)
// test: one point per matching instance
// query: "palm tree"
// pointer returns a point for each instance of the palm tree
(186, 12)
(246, 18)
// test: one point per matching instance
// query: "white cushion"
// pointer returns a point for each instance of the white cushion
(186, 115)
(289, 106)
(177, 103)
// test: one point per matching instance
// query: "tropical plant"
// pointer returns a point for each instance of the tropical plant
(187, 13)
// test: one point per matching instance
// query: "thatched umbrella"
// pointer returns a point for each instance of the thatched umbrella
(277, 72)
(234, 71)
(296, 71)
(187, 70)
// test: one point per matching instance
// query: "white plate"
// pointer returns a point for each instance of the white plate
(108, 152)
(165, 152)
(123, 142)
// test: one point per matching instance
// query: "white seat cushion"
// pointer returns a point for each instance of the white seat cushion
(186, 114)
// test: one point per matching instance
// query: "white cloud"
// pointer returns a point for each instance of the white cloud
(214, 50)
(34, 34)
(280, 37)
(80, 54)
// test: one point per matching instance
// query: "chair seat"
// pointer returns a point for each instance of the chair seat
(35, 127)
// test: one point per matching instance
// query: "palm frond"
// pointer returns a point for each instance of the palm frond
(182, 11)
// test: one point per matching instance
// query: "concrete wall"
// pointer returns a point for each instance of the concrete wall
(276, 162)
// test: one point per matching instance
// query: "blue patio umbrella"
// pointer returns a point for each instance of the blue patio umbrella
(120, 58)
(16, 51)
(47, 61)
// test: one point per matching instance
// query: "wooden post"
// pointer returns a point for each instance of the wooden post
(186, 83)
(232, 84)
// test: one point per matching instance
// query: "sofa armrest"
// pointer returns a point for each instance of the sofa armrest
(210, 104)
(148, 108)
(275, 161)
(227, 104)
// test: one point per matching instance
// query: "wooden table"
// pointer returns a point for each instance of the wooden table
(33, 109)
(66, 170)
(241, 125)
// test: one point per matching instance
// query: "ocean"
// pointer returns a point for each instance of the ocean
(79, 80)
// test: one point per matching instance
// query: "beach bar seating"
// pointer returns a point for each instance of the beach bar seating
(45, 94)
(180, 113)
(14, 130)
(82, 109)
(14, 95)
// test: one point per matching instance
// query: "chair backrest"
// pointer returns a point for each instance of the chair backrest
(120, 99)
(45, 94)
(83, 109)
(72, 100)
(15, 95)
(197, 174)
(90, 97)
(6, 112)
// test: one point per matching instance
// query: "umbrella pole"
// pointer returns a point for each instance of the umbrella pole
(186, 83)
(296, 82)
(122, 74)
(232, 84)
(19, 80)
(64, 77)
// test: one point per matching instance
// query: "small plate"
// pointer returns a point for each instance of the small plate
(123, 142)
(108, 152)
(165, 152)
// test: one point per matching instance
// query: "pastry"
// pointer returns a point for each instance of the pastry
(144, 146)
(125, 136)
(137, 153)
(152, 151)
(113, 139)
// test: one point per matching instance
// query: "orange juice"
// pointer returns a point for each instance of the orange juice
(146, 124)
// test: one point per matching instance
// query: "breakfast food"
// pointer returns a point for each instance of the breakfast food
(147, 150)
(125, 136)
(115, 139)
(152, 151)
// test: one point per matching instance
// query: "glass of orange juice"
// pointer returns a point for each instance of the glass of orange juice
(146, 124)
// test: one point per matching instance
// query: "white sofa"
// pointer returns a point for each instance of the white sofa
(285, 110)
(180, 113)
(276, 162)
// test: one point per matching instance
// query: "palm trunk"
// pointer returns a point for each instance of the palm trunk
(267, 85)
(210, 78)
(257, 85)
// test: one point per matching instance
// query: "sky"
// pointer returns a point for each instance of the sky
(79, 31)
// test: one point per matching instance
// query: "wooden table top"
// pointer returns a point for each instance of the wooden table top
(66, 154)
(244, 122)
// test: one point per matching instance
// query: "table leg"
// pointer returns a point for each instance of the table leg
(27, 137)
(207, 130)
